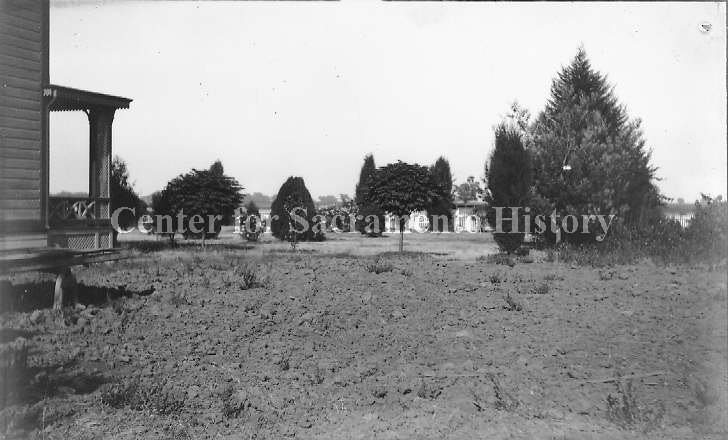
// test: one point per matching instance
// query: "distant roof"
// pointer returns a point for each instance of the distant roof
(678, 208)
(469, 203)
(68, 99)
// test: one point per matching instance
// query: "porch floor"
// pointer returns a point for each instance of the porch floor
(53, 259)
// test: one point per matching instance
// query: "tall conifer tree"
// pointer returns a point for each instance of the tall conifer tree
(365, 207)
(293, 197)
(589, 157)
(443, 206)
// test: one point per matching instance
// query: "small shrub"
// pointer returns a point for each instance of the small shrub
(512, 303)
(495, 279)
(247, 277)
(379, 266)
(541, 289)
(406, 272)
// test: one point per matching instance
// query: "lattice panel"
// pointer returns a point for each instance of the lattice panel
(104, 241)
(103, 209)
(81, 241)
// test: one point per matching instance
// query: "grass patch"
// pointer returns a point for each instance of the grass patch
(499, 258)
(403, 254)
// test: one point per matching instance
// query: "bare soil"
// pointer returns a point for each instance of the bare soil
(180, 344)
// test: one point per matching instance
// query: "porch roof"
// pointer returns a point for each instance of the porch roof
(69, 99)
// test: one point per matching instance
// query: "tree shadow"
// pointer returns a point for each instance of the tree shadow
(11, 334)
(24, 393)
(148, 246)
(32, 295)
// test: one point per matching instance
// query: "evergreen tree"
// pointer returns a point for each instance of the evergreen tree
(217, 169)
(589, 157)
(162, 206)
(365, 176)
(124, 196)
(443, 205)
(364, 205)
(294, 197)
(401, 189)
(201, 193)
(509, 175)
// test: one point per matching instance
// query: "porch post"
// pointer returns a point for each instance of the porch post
(100, 121)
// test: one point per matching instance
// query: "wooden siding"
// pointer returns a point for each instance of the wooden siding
(23, 73)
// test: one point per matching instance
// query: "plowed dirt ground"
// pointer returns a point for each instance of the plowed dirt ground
(173, 344)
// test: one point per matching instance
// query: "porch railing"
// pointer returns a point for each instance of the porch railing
(78, 211)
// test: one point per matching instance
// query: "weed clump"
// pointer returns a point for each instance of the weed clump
(379, 266)
(503, 399)
(512, 303)
(247, 277)
(624, 410)
(234, 403)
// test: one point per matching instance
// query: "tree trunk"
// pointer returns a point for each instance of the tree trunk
(401, 240)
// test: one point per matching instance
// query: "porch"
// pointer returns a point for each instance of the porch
(83, 223)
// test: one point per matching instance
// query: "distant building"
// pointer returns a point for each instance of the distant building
(683, 213)
(466, 217)
(470, 216)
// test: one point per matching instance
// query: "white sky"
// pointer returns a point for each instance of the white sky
(278, 89)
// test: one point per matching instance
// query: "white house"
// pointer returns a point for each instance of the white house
(470, 216)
